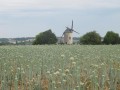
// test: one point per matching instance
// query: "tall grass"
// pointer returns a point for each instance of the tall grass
(60, 67)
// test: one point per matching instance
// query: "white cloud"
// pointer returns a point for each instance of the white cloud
(55, 4)
(15, 7)
(46, 8)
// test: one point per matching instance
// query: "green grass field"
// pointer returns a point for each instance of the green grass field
(60, 67)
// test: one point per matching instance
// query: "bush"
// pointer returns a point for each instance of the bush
(111, 38)
(91, 38)
(46, 37)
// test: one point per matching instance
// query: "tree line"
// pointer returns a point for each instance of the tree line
(90, 38)
(94, 38)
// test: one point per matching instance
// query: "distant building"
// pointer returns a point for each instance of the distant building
(12, 41)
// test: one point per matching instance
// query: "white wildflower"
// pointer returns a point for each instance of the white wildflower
(102, 64)
(11, 70)
(96, 65)
(16, 78)
(73, 63)
(96, 76)
(53, 82)
(71, 58)
(48, 72)
(93, 71)
(18, 68)
(81, 83)
(4, 70)
(60, 69)
(62, 56)
(64, 74)
(103, 75)
(67, 70)
(77, 86)
(64, 80)
(59, 82)
(57, 73)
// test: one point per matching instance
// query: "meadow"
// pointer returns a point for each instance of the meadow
(60, 67)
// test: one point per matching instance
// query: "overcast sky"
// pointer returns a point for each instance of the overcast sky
(23, 18)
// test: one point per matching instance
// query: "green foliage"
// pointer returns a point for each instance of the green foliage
(91, 38)
(46, 37)
(5, 43)
(111, 38)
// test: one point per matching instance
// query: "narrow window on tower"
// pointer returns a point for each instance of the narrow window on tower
(69, 38)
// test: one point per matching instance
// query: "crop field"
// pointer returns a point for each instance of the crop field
(60, 67)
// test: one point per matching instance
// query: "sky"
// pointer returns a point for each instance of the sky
(27, 18)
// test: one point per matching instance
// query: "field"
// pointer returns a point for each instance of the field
(60, 67)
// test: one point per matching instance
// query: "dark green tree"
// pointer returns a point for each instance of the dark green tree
(46, 37)
(111, 38)
(119, 40)
(91, 38)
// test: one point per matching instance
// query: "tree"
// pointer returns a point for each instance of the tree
(119, 40)
(111, 38)
(46, 37)
(92, 38)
